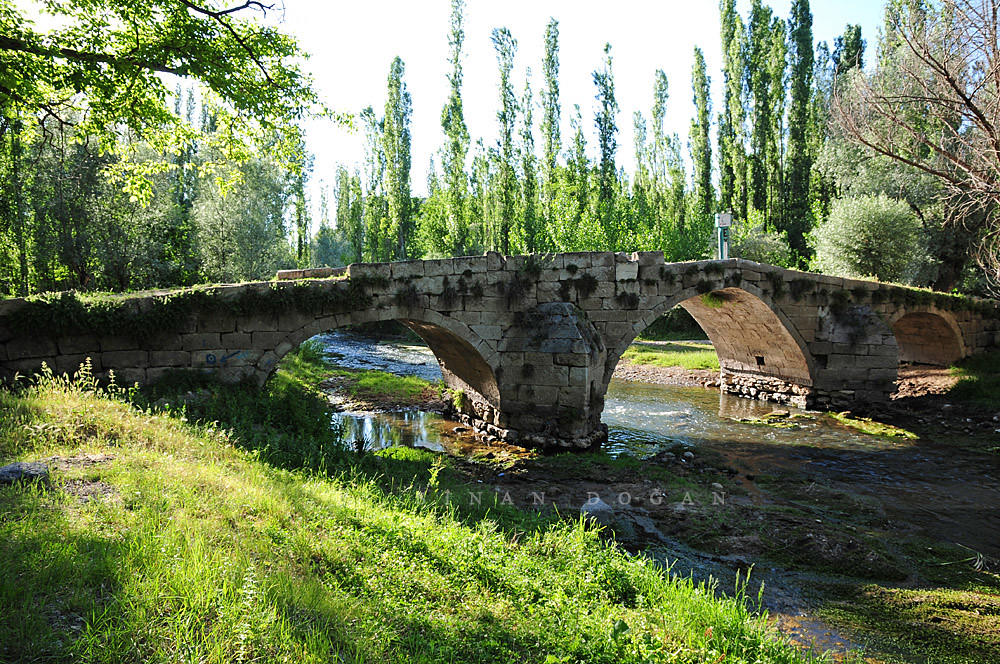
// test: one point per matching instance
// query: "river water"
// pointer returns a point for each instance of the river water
(643, 419)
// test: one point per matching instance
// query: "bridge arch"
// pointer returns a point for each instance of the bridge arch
(927, 335)
(749, 332)
(467, 361)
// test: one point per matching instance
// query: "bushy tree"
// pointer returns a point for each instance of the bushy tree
(867, 236)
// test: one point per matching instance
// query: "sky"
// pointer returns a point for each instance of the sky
(352, 45)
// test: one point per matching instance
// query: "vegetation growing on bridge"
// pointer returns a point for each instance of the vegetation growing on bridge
(107, 314)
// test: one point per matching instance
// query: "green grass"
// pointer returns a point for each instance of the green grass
(687, 355)
(979, 381)
(941, 625)
(378, 386)
(871, 427)
(199, 541)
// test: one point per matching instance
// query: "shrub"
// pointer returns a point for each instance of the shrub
(867, 236)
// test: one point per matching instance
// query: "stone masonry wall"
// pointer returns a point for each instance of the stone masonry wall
(532, 342)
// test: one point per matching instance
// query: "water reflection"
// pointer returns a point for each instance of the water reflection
(643, 419)
(411, 428)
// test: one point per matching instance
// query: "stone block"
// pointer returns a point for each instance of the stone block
(439, 268)
(625, 271)
(644, 258)
(125, 358)
(406, 270)
(293, 321)
(163, 341)
(258, 323)
(240, 358)
(488, 331)
(549, 291)
(70, 364)
(33, 347)
(494, 261)
(127, 376)
(581, 259)
(469, 267)
(578, 376)
(169, 358)
(603, 259)
(113, 343)
(210, 358)
(217, 323)
(557, 376)
(468, 317)
(235, 340)
(74, 345)
(883, 374)
(267, 340)
(375, 270)
(201, 341)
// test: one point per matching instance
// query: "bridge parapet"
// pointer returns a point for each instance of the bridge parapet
(532, 341)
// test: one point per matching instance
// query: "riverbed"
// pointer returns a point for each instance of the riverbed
(845, 498)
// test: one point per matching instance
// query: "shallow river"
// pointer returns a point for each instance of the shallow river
(642, 418)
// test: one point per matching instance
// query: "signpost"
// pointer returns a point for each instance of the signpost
(723, 221)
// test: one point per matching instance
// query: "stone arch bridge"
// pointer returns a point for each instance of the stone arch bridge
(531, 340)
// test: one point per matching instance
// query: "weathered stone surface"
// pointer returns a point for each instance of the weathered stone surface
(201, 341)
(535, 367)
(19, 349)
(24, 471)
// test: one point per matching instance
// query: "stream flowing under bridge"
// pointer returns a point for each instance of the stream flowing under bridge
(532, 341)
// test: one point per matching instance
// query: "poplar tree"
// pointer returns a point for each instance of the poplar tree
(353, 230)
(699, 139)
(848, 50)
(797, 208)
(605, 120)
(551, 113)
(506, 47)
(532, 229)
(732, 155)
(377, 242)
(396, 140)
(774, 158)
(456, 143)
(758, 74)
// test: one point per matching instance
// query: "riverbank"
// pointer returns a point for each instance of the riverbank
(158, 538)
(887, 548)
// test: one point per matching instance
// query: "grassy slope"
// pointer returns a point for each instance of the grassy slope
(687, 355)
(194, 548)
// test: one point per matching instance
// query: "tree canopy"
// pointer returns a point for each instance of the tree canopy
(101, 64)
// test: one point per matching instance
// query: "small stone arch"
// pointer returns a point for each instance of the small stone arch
(457, 348)
(750, 334)
(927, 335)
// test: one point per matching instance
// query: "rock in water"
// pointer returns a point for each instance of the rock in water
(21, 471)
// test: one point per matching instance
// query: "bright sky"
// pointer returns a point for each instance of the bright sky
(352, 45)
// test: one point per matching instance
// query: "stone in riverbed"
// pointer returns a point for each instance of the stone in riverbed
(599, 511)
(21, 471)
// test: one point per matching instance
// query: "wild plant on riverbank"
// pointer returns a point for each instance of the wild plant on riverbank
(163, 540)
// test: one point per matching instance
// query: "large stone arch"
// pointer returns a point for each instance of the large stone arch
(749, 332)
(927, 335)
(457, 348)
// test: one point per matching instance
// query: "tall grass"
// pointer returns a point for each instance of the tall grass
(190, 546)
(979, 380)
